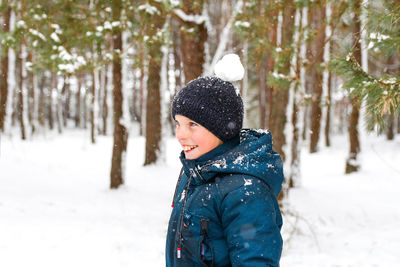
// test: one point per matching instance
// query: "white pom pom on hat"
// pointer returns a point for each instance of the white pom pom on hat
(229, 68)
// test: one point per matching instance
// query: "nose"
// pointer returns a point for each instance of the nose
(181, 133)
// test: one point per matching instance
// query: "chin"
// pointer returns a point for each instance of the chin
(193, 156)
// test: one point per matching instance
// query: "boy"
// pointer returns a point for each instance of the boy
(225, 211)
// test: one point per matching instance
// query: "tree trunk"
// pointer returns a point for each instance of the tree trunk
(305, 120)
(280, 95)
(50, 105)
(120, 132)
(390, 118)
(153, 110)
(317, 58)
(351, 162)
(328, 77)
(32, 97)
(177, 68)
(78, 105)
(14, 105)
(42, 103)
(295, 172)
(398, 123)
(142, 89)
(269, 89)
(262, 94)
(177, 56)
(153, 103)
(20, 92)
(4, 70)
(85, 104)
(136, 98)
(67, 101)
(105, 102)
(92, 103)
(63, 102)
(328, 113)
(390, 127)
(298, 71)
(265, 64)
(58, 103)
(245, 82)
(193, 37)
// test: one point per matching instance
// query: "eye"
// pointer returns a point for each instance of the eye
(193, 124)
(176, 124)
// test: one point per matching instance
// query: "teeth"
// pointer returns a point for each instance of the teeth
(187, 148)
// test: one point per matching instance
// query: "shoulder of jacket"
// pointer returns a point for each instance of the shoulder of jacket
(233, 181)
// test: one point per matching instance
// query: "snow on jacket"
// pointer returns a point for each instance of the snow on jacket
(225, 211)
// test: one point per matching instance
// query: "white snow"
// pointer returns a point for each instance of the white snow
(220, 164)
(115, 23)
(21, 24)
(378, 36)
(198, 19)
(38, 34)
(151, 10)
(239, 160)
(107, 25)
(244, 24)
(56, 208)
(229, 68)
(346, 220)
(247, 182)
(55, 38)
(262, 131)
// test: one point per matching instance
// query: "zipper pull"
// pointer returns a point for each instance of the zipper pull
(204, 226)
(178, 253)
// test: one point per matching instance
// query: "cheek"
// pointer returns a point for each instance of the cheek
(205, 142)
(197, 139)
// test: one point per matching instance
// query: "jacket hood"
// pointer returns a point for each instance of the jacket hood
(249, 154)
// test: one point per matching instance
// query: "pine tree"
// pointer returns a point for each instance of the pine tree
(154, 30)
(380, 91)
(193, 36)
(316, 57)
(280, 94)
(120, 131)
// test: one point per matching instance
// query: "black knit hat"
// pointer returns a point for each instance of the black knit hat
(213, 103)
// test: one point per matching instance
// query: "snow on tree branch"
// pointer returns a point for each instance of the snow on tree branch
(197, 19)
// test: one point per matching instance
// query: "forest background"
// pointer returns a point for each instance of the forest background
(314, 69)
(104, 65)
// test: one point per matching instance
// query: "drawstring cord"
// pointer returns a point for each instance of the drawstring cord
(185, 191)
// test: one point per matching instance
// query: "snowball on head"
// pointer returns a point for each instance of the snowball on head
(229, 68)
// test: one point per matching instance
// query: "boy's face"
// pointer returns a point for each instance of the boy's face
(194, 138)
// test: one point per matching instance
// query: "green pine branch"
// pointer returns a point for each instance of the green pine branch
(381, 94)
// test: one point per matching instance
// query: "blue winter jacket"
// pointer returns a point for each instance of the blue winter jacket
(225, 211)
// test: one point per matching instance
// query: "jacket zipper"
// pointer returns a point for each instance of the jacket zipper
(185, 191)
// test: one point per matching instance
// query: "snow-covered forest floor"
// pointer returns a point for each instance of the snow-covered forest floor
(56, 208)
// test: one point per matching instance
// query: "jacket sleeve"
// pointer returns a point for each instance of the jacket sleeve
(251, 221)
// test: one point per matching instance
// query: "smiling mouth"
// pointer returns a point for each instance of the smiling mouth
(188, 148)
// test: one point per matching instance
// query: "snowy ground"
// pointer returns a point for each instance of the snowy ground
(56, 208)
